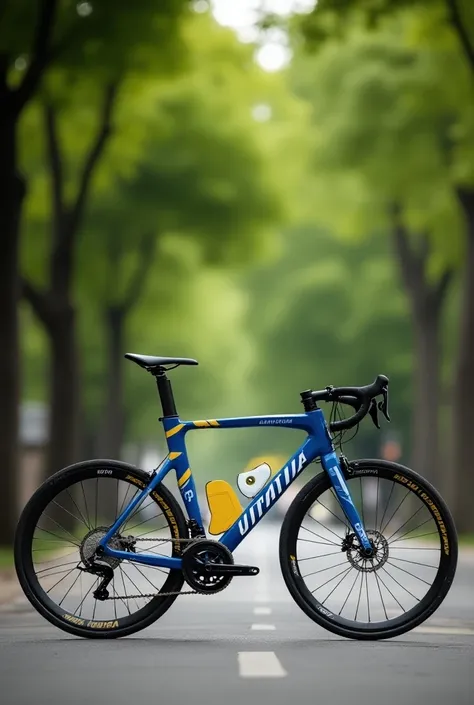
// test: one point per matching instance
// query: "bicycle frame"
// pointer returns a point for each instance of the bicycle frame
(318, 444)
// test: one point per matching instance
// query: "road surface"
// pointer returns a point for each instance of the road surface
(251, 644)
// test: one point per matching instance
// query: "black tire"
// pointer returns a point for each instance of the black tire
(23, 549)
(420, 491)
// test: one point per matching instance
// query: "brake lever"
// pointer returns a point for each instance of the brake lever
(374, 413)
(383, 405)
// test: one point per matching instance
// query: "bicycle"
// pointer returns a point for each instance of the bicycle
(336, 513)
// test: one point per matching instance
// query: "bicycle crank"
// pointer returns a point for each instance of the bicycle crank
(208, 566)
(223, 569)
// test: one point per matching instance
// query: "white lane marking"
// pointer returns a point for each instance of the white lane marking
(263, 627)
(445, 630)
(260, 664)
(262, 610)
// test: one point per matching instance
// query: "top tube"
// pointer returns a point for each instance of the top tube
(313, 422)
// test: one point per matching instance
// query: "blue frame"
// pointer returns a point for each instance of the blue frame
(318, 444)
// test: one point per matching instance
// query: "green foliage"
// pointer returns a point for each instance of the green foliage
(391, 125)
(190, 166)
(102, 38)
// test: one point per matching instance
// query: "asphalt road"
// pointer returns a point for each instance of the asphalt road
(250, 643)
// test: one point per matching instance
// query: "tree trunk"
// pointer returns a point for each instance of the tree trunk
(12, 190)
(426, 388)
(64, 399)
(113, 421)
(463, 392)
(426, 301)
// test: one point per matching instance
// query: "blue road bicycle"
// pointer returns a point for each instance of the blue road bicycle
(368, 548)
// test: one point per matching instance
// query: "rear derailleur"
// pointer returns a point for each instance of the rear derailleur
(103, 566)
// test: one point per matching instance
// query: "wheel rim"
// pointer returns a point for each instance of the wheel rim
(403, 577)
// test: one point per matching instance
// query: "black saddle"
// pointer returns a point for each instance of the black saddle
(151, 363)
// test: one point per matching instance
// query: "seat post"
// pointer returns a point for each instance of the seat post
(166, 393)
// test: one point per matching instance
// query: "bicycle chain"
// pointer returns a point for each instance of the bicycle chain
(159, 594)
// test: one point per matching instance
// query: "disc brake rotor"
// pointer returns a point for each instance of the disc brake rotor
(361, 562)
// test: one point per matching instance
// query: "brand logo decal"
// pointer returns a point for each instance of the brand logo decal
(274, 422)
(276, 487)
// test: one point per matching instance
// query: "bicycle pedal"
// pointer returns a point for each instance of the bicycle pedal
(231, 569)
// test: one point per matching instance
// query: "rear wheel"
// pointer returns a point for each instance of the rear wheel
(59, 530)
(414, 561)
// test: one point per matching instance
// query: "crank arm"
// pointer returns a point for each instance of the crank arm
(231, 569)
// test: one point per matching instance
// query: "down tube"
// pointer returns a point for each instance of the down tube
(270, 494)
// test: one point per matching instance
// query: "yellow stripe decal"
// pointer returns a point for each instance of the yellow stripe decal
(184, 477)
(213, 422)
(174, 455)
(201, 424)
(174, 430)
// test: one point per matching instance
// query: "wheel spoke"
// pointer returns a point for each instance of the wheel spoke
(96, 499)
(406, 522)
(412, 530)
(85, 505)
(360, 595)
(69, 590)
(124, 589)
(96, 585)
(322, 570)
(62, 529)
(391, 593)
(386, 507)
(53, 567)
(362, 501)
(330, 543)
(145, 521)
(349, 593)
(404, 560)
(380, 593)
(78, 510)
(367, 591)
(408, 573)
(346, 570)
(141, 507)
(321, 555)
(325, 527)
(70, 513)
(398, 583)
(84, 598)
(333, 514)
(377, 503)
(396, 510)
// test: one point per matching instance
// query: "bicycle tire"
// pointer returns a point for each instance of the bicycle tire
(27, 576)
(389, 628)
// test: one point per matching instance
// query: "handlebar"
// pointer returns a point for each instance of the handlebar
(362, 399)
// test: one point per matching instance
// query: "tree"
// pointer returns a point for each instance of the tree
(196, 141)
(207, 183)
(50, 33)
(458, 15)
(382, 145)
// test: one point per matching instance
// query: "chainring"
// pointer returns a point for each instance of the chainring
(196, 556)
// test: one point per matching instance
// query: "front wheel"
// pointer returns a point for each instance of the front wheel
(410, 572)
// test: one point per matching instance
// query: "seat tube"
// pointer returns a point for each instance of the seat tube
(331, 465)
(166, 394)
